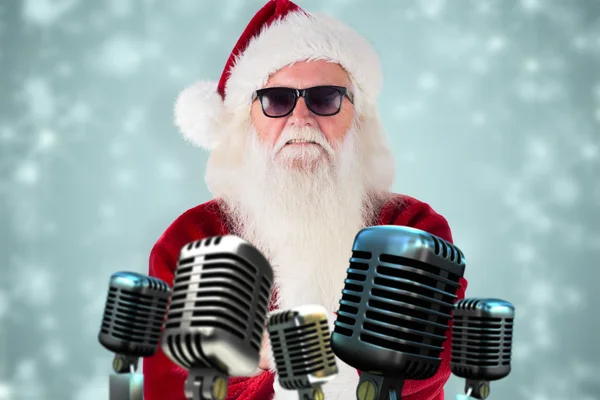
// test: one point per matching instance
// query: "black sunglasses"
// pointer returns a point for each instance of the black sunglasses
(325, 101)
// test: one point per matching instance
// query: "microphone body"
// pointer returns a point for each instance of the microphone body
(396, 307)
(133, 315)
(300, 341)
(481, 343)
(216, 316)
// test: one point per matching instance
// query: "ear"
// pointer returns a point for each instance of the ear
(199, 114)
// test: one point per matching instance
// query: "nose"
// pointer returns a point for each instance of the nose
(302, 116)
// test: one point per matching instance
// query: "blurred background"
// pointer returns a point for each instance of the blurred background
(492, 107)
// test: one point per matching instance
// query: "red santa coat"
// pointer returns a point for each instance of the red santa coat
(163, 380)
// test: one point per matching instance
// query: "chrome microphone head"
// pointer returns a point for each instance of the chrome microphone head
(397, 300)
(482, 338)
(133, 314)
(300, 341)
(218, 307)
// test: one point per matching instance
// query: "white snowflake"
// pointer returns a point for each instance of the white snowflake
(170, 170)
(525, 253)
(64, 70)
(232, 10)
(120, 8)
(532, 5)
(93, 388)
(78, 113)
(26, 372)
(46, 140)
(48, 322)
(432, 8)
(522, 352)
(93, 309)
(117, 149)
(34, 285)
(176, 72)
(7, 134)
(484, 7)
(479, 118)
(589, 151)
(497, 43)
(596, 90)
(542, 293)
(212, 36)
(581, 43)
(124, 177)
(27, 173)
(597, 114)
(428, 81)
(47, 12)
(573, 297)
(39, 97)
(479, 65)
(120, 55)
(6, 391)
(107, 211)
(532, 65)
(540, 152)
(55, 352)
(4, 304)
(566, 191)
(134, 120)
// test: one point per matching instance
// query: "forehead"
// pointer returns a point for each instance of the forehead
(305, 74)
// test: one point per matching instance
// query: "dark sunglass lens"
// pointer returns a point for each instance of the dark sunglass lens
(324, 100)
(278, 102)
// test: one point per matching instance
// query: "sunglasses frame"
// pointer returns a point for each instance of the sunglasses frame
(343, 92)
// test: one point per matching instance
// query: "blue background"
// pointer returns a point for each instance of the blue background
(492, 107)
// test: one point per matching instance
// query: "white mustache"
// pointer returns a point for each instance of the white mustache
(304, 135)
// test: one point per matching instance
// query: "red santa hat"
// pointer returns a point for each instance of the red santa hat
(280, 34)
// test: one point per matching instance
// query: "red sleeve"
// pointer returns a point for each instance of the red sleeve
(419, 215)
(163, 379)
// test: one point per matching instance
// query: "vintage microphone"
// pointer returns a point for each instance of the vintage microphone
(133, 315)
(217, 313)
(481, 343)
(396, 307)
(300, 341)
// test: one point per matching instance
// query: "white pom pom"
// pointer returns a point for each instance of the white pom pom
(199, 114)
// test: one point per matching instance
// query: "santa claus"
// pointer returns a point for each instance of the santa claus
(299, 163)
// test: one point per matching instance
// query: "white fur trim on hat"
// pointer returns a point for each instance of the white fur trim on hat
(199, 113)
(304, 37)
(299, 36)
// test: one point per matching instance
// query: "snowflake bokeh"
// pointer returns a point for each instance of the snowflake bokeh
(493, 112)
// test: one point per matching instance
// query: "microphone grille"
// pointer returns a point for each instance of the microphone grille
(221, 292)
(447, 250)
(397, 298)
(133, 314)
(482, 338)
(300, 341)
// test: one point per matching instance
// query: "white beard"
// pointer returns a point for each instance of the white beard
(304, 219)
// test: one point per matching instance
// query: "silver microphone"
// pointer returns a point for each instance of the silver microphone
(300, 341)
(216, 316)
(481, 343)
(133, 315)
(396, 307)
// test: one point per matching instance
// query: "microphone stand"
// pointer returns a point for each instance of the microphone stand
(205, 384)
(475, 389)
(125, 383)
(313, 393)
(377, 387)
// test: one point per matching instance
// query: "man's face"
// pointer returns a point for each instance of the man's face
(330, 131)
